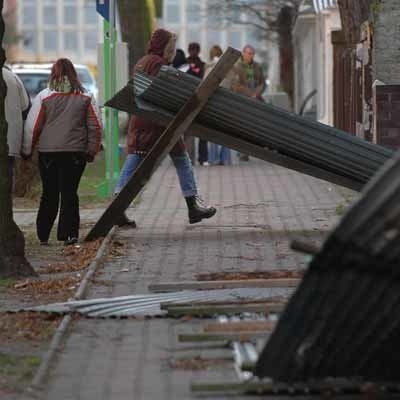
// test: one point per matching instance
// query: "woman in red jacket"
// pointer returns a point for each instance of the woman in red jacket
(142, 133)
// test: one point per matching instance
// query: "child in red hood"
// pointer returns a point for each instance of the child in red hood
(142, 134)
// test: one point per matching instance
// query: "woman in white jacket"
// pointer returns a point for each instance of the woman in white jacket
(17, 105)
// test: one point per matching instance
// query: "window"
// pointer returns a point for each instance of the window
(29, 13)
(70, 41)
(49, 15)
(235, 39)
(29, 41)
(90, 40)
(193, 36)
(89, 14)
(50, 41)
(70, 14)
(173, 11)
(193, 11)
(213, 37)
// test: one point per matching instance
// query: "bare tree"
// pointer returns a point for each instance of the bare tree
(270, 20)
(12, 243)
(261, 16)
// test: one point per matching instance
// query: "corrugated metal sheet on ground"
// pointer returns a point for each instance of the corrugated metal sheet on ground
(344, 318)
(149, 304)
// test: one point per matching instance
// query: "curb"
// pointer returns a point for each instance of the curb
(63, 327)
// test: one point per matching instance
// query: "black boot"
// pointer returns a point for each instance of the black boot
(198, 210)
(123, 220)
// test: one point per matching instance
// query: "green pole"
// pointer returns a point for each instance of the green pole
(111, 116)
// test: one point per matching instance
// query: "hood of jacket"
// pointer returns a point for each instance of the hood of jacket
(158, 42)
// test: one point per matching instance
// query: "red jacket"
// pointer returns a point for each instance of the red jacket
(143, 133)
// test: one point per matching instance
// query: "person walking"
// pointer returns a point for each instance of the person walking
(196, 68)
(64, 125)
(143, 134)
(16, 107)
(219, 155)
(251, 80)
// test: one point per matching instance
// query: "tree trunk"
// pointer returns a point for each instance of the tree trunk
(285, 25)
(136, 20)
(12, 242)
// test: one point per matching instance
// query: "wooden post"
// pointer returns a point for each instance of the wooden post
(232, 284)
(164, 144)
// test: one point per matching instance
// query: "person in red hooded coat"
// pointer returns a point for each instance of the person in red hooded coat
(143, 133)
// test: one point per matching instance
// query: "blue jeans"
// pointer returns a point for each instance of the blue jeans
(219, 154)
(182, 165)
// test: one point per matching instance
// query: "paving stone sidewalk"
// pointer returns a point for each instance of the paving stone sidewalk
(261, 207)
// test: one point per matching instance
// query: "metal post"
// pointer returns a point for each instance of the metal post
(111, 116)
(114, 150)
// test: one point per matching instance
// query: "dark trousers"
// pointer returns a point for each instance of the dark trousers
(61, 174)
(203, 151)
(11, 162)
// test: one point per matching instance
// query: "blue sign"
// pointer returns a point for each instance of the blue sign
(103, 8)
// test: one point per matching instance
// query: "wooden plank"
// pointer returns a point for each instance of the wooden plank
(240, 336)
(211, 310)
(237, 387)
(176, 128)
(208, 285)
(242, 326)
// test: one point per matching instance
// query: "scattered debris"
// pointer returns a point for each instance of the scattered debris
(198, 363)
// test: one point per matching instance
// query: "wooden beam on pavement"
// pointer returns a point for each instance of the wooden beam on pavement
(240, 336)
(210, 310)
(242, 326)
(231, 284)
(175, 129)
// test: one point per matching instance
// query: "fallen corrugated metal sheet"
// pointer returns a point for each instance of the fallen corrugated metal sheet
(149, 304)
(238, 121)
(344, 319)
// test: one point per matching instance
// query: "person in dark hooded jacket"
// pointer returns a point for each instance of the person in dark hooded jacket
(196, 68)
(143, 134)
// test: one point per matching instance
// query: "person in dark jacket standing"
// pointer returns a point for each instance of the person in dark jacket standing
(197, 68)
(143, 134)
(64, 125)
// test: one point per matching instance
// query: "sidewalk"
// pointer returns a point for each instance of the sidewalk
(261, 207)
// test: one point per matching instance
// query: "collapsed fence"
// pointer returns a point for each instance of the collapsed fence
(344, 319)
(256, 128)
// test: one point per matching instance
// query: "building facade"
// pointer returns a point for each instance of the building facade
(192, 22)
(49, 29)
(312, 36)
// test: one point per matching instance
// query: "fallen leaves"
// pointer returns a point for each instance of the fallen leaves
(75, 258)
(60, 289)
(28, 326)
